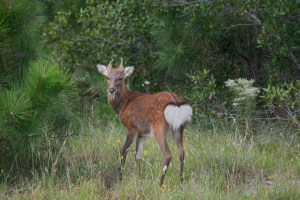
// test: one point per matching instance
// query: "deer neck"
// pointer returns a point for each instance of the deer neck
(119, 99)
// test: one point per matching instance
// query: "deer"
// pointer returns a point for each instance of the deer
(146, 115)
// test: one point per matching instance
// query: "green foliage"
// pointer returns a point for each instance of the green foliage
(103, 30)
(202, 92)
(280, 33)
(15, 107)
(36, 116)
(284, 99)
(172, 45)
(15, 111)
(44, 80)
(53, 6)
(37, 102)
(195, 36)
(120, 29)
(21, 23)
(230, 38)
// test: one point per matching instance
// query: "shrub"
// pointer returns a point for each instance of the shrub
(283, 100)
(201, 92)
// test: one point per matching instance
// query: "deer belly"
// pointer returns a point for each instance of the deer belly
(144, 130)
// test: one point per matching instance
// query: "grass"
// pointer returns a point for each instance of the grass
(219, 165)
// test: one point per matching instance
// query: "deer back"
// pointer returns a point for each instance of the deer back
(142, 112)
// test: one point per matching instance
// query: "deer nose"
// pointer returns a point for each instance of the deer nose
(111, 90)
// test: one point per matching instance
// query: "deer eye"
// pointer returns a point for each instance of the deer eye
(119, 79)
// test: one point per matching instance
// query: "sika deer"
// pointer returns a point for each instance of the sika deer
(145, 115)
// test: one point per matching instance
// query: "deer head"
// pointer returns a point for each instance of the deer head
(115, 78)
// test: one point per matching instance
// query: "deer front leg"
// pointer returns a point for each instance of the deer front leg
(139, 151)
(130, 138)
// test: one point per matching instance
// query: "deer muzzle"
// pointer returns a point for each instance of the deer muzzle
(111, 90)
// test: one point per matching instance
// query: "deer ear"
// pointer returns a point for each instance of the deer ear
(102, 69)
(128, 71)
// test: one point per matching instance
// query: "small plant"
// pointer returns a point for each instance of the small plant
(243, 99)
(283, 101)
(280, 97)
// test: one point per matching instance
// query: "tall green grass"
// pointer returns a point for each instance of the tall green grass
(219, 165)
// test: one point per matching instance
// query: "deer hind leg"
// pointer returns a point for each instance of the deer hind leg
(180, 145)
(161, 138)
(130, 138)
(139, 150)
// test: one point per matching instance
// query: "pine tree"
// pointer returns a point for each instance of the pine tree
(21, 23)
(37, 100)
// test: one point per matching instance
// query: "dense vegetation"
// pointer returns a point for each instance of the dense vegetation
(236, 62)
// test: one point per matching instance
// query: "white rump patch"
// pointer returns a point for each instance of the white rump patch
(177, 116)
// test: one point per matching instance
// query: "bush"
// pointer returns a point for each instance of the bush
(283, 100)
(202, 92)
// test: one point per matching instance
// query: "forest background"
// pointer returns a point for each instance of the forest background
(236, 62)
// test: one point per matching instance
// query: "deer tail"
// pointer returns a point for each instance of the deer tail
(178, 115)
